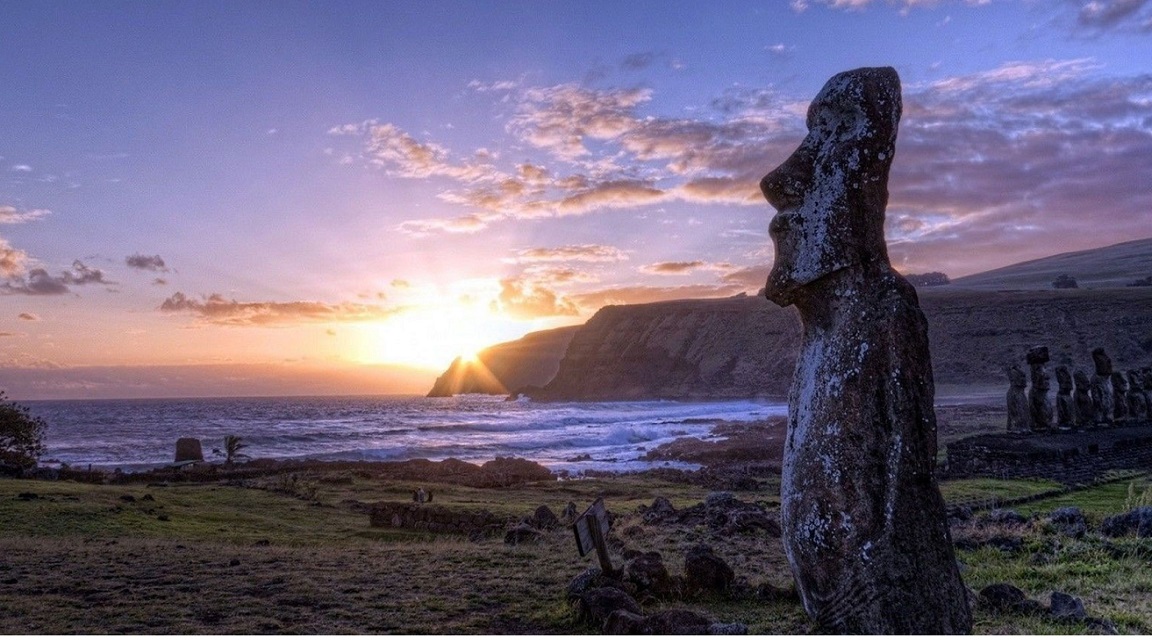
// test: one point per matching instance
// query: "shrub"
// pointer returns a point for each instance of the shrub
(1142, 282)
(21, 434)
(1065, 281)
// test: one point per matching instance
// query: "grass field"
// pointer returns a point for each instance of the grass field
(289, 555)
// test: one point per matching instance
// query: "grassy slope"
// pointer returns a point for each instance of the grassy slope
(79, 559)
(1112, 266)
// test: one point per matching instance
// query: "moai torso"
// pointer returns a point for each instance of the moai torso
(1019, 413)
(1137, 405)
(1102, 387)
(1083, 398)
(1038, 395)
(1065, 408)
(1119, 397)
(864, 526)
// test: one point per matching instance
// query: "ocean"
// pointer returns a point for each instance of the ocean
(141, 434)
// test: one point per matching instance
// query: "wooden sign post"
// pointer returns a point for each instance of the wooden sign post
(591, 529)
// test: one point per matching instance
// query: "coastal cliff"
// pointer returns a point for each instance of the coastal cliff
(746, 347)
(530, 361)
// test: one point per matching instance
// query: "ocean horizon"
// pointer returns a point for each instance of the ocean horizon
(138, 434)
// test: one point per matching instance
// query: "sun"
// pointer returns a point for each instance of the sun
(432, 337)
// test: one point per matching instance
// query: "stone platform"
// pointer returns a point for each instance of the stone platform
(1073, 458)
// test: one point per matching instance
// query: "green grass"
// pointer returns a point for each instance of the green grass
(990, 489)
(80, 560)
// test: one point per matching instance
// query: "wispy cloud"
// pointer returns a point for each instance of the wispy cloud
(39, 282)
(1097, 16)
(571, 253)
(684, 268)
(525, 298)
(30, 317)
(216, 309)
(12, 260)
(12, 215)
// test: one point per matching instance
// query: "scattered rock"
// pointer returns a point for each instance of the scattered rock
(128, 498)
(597, 604)
(1138, 521)
(1066, 607)
(705, 572)
(570, 512)
(680, 622)
(28, 495)
(522, 533)
(234, 562)
(633, 531)
(728, 629)
(264, 542)
(1069, 521)
(1102, 626)
(544, 518)
(148, 498)
(1005, 598)
(589, 578)
(648, 573)
(660, 511)
(622, 622)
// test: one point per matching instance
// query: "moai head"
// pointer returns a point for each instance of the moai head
(830, 194)
(1016, 378)
(1081, 378)
(1036, 355)
(1102, 361)
(1064, 379)
(1119, 382)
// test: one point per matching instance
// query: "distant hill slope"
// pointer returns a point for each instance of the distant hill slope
(746, 347)
(1107, 267)
(531, 360)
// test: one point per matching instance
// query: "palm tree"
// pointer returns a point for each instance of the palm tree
(232, 447)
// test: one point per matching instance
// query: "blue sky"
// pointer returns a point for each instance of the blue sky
(336, 185)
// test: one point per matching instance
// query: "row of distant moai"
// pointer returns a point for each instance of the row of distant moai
(1109, 398)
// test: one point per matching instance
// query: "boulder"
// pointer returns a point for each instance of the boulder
(543, 518)
(622, 622)
(1005, 598)
(679, 622)
(705, 572)
(1069, 521)
(1066, 607)
(648, 573)
(1138, 521)
(1004, 517)
(660, 511)
(597, 604)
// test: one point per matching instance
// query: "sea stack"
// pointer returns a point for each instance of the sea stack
(864, 524)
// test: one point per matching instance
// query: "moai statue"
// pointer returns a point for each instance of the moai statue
(864, 526)
(1038, 395)
(1083, 399)
(1146, 379)
(1102, 387)
(1137, 405)
(1119, 397)
(1019, 415)
(1065, 408)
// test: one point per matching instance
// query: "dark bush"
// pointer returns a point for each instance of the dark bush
(1065, 281)
(1142, 282)
(21, 434)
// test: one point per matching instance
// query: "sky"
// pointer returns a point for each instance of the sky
(251, 198)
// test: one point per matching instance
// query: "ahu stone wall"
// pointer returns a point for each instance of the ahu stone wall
(434, 518)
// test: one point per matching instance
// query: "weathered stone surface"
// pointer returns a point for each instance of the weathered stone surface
(188, 449)
(1004, 517)
(522, 533)
(649, 575)
(1070, 521)
(678, 622)
(705, 572)
(1102, 387)
(660, 510)
(1065, 406)
(622, 622)
(863, 521)
(597, 604)
(1119, 397)
(1137, 404)
(1019, 413)
(1038, 402)
(1082, 398)
(544, 518)
(1066, 607)
(1138, 521)
(1005, 598)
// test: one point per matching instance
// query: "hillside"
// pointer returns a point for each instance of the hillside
(531, 360)
(746, 347)
(1107, 267)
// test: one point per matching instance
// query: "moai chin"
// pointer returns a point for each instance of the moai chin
(1019, 414)
(1038, 395)
(1083, 399)
(864, 526)
(1119, 397)
(1137, 405)
(1102, 387)
(1065, 407)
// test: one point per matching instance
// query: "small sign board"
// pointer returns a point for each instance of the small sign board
(591, 529)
